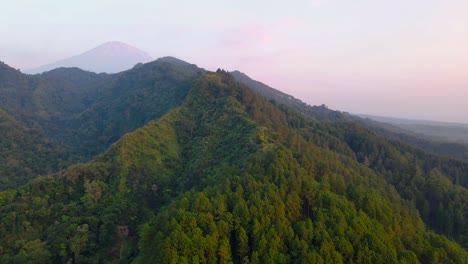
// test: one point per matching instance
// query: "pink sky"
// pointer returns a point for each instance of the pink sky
(396, 58)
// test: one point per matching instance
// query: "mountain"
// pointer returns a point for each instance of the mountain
(25, 153)
(445, 139)
(110, 57)
(319, 113)
(35, 109)
(199, 168)
(78, 113)
(268, 92)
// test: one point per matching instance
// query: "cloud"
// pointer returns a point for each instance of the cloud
(246, 38)
(260, 40)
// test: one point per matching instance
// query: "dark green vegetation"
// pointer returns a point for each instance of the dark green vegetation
(438, 138)
(228, 176)
(24, 153)
(382, 147)
(69, 115)
(34, 110)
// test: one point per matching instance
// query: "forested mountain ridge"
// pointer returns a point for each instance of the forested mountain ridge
(447, 148)
(25, 153)
(58, 94)
(418, 177)
(225, 177)
(81, 113)
(436, 185)
(134, 98)
(33, 108)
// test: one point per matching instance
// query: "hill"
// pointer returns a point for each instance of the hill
(35, 110)
(80, 114)
(110, 57)
(25, 153)
(228, 176)
(445, 139)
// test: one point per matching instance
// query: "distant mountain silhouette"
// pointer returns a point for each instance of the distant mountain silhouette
(110, 57)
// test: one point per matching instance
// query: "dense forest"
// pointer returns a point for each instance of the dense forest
(69, 115)
(437, 140)
(225, 175)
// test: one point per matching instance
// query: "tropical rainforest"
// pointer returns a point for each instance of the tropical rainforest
(170, 163)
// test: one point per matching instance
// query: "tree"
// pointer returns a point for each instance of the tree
(79, 240)
(242, 243)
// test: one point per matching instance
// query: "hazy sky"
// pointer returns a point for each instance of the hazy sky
(402, 58)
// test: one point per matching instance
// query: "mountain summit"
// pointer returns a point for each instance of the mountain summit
(110, 57)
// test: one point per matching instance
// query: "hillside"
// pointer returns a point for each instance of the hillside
(434, 137)
(228, 176)
(25, 153)
(35, 110)
(80, 114)
(132, 99)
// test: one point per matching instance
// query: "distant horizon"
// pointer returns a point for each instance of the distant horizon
(408, 118)
(399, 58)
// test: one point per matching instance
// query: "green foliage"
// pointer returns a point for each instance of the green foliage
(436, 186)
(337, 225)
(229, 177)
(64, 116)
(443, 145)
(25, 153)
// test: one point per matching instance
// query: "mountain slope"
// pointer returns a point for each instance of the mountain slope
(404, 133)
(55, 96)
(82, 113)
(227, 176)
(268, 92)
(134, 98)
(25, 153)
(31, 110)
(110, 57)
(436, 186)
